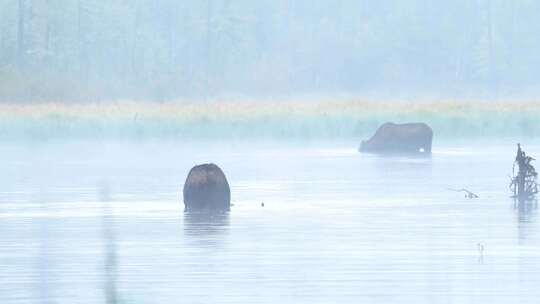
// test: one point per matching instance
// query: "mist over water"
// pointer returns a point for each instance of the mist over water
(336, 225)
(105, 106)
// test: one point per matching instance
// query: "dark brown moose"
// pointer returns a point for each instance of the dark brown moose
(411, 138)
(206, 189)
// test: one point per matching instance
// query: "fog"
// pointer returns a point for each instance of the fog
(167, 50)
(269, 151)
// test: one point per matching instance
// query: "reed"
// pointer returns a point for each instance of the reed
(280, 119)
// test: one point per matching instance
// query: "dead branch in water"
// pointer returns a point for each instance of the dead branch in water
(468, 193)
(524, 184)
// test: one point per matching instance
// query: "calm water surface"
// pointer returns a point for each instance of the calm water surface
(103, 223)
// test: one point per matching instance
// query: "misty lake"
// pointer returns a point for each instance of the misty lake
(103, 222)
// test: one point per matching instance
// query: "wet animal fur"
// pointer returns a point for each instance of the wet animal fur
(400, 138)
(206, 189)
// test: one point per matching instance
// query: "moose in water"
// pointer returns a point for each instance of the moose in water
(408, 138)
(206, 189)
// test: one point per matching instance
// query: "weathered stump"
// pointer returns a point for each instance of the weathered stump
(524, 184)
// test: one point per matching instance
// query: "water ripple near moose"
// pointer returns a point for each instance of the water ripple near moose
(100, 222)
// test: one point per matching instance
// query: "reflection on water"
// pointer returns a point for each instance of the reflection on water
(526, 210)
(44, 262)
(481, 248)
(206, 228)
(526, 214)
(109, 240)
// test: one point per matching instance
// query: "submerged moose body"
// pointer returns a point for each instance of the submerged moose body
(410, 138)
(206, 189)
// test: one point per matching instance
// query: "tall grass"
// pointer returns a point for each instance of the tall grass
(264, 119)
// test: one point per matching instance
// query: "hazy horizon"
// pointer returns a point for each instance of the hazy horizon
(164, 50)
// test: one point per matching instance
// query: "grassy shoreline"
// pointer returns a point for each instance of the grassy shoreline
(266, 119)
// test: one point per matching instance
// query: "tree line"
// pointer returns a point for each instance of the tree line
(74, 50)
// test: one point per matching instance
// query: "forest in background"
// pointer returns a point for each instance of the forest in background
(167, 50)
